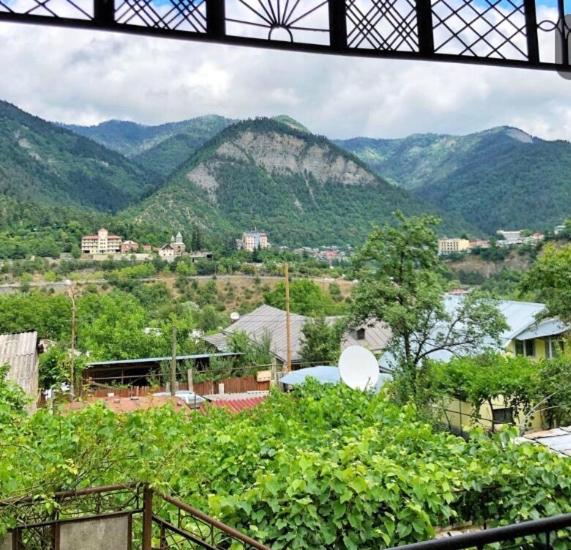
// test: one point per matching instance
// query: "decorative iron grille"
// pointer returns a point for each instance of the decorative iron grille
(512, 33)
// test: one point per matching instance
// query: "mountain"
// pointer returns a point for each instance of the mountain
(134, 140)
(42, 162)
(263, 173)
(498, 178)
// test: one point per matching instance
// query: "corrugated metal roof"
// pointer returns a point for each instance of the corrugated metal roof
(544, 328)
(558, 440)
(20, 352)
(271, 321)
(237, 405)
(123, 405)
(519, 317)
(159, 359)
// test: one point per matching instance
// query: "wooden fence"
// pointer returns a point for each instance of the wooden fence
(228, 385)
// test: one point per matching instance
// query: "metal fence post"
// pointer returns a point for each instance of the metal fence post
(147, 518)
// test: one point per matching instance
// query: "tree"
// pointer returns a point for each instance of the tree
(549, 280)
(196, 240)
(401, 283)
(321, 341)
(306, 298)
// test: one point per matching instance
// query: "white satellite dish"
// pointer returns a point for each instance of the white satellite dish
(358, 368)
(234, 316)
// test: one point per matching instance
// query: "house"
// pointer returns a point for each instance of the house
(167, 253)
(129, 246)
(452, 246)
(174, 249)
(252, 240)
(526, 334)
(21, 353)
(270, 322)
(102, 243)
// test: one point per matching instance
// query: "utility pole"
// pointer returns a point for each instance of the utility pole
(71, 294)
(288, 320)
(173, 363)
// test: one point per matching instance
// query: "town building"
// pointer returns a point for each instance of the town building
(102, 243)
(452, 246)
(176, 248)
(128, 247)
(253, 240)
(167, 253)
(479, 243)
(525, 335)
(270, 322)
(516, 238)
(21, 353)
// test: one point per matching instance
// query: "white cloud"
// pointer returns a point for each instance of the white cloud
(84, 77)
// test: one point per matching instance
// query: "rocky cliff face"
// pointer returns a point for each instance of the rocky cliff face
(299, 187)
(280, 154)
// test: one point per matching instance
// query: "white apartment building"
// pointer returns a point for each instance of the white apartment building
(102, 243)
(450, 246)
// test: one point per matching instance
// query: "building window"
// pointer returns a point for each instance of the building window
(503, 416)
(525, 348)
(360, 334)
(554, 347)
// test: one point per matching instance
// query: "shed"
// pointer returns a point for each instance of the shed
(139, 370)
(20, 352)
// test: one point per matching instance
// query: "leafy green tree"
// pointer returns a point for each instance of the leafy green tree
(549, 280)
(321, 343)
(306, 298)
(253, 352)
(13, 400)
(401, 283)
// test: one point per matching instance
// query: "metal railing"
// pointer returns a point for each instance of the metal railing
(152, 518)
(546, 533)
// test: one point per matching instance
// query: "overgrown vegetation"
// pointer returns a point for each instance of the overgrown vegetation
(325, 467)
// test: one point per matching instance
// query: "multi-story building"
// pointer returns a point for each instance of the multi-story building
(252, 240)
(451, 246)
(102, 243)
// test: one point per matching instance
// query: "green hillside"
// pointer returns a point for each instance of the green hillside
(499, 178)
(42, 162)
(133, 140)
(299, 187)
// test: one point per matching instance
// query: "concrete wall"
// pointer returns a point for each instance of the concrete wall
(97, 534)
(6, 542)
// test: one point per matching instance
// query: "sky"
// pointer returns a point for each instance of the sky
(84, 77)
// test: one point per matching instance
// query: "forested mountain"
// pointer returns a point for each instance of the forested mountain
(263, 173)
(133, 140)
(499, 178)
(45, 163)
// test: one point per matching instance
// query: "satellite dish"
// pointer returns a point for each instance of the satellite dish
(358, 368)
(234, 316)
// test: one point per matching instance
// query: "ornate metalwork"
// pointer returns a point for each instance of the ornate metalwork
(480, 28)
(487, 32)
(182, 15)
(285, 20)
(388, 25)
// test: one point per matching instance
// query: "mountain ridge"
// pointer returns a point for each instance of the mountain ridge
(265, 173)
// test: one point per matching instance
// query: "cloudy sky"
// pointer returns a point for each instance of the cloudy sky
(82, 77)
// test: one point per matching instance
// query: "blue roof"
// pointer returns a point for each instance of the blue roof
(324, 375)
(520, 316)
(543, 328)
